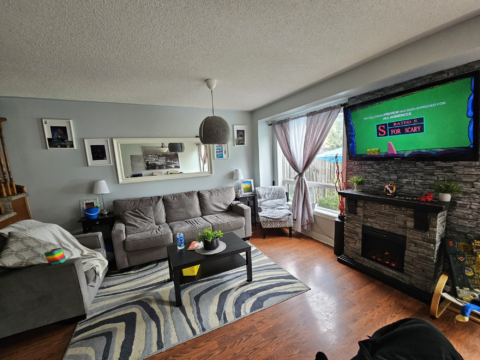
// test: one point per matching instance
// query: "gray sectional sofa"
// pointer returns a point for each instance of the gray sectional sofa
(188, 213)
(44, 294)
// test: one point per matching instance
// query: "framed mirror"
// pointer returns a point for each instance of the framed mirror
(154, 159)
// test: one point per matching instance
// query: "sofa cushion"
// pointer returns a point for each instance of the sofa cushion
(161, 235)
(182, 206)
(190, 228)
(216, 201)
(138, 220)
(23, 250)
(225, 222)
(155, 202)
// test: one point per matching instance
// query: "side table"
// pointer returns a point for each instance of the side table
(251, 201)
(88, 224)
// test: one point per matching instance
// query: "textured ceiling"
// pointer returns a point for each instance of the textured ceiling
(159, 52)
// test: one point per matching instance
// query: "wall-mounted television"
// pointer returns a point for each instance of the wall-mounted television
(438, 121)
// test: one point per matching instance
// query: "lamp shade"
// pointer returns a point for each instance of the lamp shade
(214, 130)
(237, 174)
(176, 147)
(101, 187)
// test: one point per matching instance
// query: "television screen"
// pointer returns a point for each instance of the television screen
(438, 121)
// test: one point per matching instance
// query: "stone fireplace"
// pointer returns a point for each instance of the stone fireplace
(396, 241)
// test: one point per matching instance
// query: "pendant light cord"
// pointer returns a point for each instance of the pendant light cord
(213, 109)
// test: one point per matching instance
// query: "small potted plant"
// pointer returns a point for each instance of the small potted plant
(210, 239)
(446, 189)
(358, 182)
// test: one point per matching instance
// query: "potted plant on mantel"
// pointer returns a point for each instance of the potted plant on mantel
(446, 189)
(210, 239)
(358, 182)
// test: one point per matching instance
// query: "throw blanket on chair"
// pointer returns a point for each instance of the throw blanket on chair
(63, 239)
(272, 203)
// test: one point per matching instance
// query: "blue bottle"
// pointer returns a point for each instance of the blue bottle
(180, 241)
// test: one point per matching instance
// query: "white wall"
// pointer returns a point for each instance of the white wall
(456, 45)
(57, 179)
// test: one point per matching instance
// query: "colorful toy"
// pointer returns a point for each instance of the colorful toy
(390, 189)
(56, 256)
(466, 310)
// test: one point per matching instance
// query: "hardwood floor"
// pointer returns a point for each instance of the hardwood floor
(343, 307)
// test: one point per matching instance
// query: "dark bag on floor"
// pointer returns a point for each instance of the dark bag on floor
(407, 339)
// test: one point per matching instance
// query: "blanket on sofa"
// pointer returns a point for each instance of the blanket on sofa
(63, 239)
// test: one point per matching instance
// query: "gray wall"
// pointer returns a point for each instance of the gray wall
(447, 48)
(57, 179)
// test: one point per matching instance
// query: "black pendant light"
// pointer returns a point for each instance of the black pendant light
(214, 129)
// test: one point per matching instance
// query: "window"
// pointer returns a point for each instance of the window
(320, 175)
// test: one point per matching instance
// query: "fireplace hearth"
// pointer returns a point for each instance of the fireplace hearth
(383, 247)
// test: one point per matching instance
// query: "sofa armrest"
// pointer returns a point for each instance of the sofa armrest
(91, 240)
(118, 239)
(40, 295)
(118, 232)
(245, 211)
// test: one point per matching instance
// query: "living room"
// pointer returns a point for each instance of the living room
(178, 116)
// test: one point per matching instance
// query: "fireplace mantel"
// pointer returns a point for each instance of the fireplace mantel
(425, 207)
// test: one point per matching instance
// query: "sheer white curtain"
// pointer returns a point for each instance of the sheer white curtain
(300, 140)
(202, 154)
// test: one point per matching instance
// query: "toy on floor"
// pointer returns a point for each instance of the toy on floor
(466, 310)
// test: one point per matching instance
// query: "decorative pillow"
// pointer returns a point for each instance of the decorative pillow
(23, 250)
(138, 220)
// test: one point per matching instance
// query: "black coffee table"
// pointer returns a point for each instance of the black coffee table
(210, 265)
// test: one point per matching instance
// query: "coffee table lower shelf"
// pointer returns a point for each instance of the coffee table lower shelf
(215, 267)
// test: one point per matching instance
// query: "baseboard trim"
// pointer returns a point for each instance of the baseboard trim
(319, 237)
(418, 294)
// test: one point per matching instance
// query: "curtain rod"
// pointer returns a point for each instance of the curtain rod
(310, 113)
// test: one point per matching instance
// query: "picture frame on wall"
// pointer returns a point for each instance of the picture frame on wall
(247, 186)
(240, 135)
(58, 134)
(98, 152)
(221, 152)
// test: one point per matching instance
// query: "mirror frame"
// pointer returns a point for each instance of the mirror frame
(117, 142)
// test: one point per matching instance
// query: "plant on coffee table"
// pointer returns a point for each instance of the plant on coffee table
(210, 239)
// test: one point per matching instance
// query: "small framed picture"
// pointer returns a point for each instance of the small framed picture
(221, 151)
(89, 203)
(240, 135)
(247, 186)
(98, 152)
(58, 134)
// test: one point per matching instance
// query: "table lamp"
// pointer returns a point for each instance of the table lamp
(101, 188)
(238, 175)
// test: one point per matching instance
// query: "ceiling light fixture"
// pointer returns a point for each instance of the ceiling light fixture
(163, 148)
(214, 129)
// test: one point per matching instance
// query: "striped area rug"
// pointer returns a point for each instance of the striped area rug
(133, 315)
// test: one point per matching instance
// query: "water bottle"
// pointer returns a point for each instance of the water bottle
(180, 241)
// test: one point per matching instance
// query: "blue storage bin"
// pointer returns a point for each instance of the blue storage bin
(91, 213)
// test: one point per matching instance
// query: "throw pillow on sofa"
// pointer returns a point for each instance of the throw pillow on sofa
(22, 250)
(138, 220)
